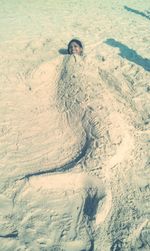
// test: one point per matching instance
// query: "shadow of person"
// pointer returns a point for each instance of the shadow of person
(129, 54)
(63, 51)
(137, 12)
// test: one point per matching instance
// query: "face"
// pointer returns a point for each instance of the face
(74, 48)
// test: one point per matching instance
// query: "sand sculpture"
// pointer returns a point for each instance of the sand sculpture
(74, 141)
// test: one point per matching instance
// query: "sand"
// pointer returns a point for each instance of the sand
(74, 131)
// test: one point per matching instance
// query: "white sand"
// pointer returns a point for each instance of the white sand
(74, 132)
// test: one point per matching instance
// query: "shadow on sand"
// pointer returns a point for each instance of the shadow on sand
(63, 51)
(129, 54)
(137, 12)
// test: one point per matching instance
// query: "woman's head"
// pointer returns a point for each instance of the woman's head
(75, 47)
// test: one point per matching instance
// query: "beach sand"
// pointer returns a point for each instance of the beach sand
(74, 131)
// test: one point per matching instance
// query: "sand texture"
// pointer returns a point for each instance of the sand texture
(74, 131)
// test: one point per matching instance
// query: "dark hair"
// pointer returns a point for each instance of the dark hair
(77, 42)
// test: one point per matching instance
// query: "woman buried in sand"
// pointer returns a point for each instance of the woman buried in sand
(75, 47)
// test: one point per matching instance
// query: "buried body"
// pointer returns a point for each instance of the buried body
(60, 211)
